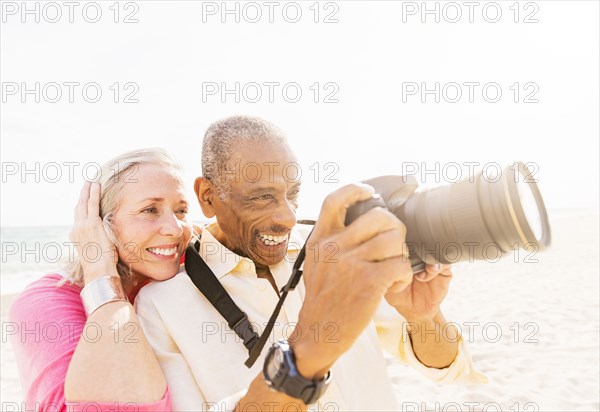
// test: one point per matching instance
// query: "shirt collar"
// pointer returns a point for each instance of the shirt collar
(223, 261)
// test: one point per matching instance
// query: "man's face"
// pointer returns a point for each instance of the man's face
(259, 212)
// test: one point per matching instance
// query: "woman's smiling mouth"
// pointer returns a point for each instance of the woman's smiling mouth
(167, 251)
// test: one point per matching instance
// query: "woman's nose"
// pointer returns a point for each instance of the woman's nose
(171, 225)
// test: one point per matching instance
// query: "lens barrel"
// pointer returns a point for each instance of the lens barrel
(481, 218)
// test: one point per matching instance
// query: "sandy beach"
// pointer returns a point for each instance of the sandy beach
(532, 328)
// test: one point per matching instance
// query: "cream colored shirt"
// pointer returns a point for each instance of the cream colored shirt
(203, 360)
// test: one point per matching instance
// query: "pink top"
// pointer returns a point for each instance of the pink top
(46, 324)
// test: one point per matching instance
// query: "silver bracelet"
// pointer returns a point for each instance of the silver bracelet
(101, 291)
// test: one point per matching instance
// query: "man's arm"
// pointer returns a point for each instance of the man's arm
(415, 330)
(345, 289)
(434, 340)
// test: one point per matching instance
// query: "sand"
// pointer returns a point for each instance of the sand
(532, 328)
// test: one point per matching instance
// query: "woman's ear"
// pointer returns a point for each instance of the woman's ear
(205, 193)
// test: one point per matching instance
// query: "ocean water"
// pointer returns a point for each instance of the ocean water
(29, 252)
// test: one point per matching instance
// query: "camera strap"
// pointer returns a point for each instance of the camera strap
(208, 284)
(291, 285)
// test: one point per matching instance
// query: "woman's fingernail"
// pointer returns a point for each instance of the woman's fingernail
(421, 276)
(437, 267)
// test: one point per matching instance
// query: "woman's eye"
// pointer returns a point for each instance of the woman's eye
(151, 210)
(182, 211)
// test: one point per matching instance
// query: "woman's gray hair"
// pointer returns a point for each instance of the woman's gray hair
(115, 174)
(224, 137)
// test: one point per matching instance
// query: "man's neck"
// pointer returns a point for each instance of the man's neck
(262, 272)
(218, 234)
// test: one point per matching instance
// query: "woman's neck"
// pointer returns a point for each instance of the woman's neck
(133, 286)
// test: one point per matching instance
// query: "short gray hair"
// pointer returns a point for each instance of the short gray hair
(224, 137)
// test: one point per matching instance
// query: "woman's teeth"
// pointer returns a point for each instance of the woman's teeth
(271, 240)
(164, 252)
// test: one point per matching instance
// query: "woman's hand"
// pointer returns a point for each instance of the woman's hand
(98, 255)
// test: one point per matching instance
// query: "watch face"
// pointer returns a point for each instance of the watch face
(274, 364)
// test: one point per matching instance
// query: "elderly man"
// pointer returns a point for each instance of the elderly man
(358, 293)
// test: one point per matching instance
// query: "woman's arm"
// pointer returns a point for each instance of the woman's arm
(113, 361)
(48, 323)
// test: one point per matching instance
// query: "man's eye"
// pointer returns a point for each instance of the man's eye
(294, 193)
(264, 197)
(182, 211)
(151, 210)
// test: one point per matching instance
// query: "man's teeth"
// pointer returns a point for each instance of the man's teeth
(271, 240)
(164, 252)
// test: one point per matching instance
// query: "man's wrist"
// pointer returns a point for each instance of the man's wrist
(433, 317)
(434, 340)
(313, 359)
(310, 365)
(436, 326)
(281, 374)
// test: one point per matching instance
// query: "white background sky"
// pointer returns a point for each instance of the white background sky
(368, 54)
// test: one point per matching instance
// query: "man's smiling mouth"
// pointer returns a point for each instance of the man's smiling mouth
(272, 240)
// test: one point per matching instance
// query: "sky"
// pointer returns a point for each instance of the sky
(361, 89)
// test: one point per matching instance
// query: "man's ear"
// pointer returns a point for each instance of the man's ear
(205, 193)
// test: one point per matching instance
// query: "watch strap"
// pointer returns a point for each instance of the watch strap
(289, 381)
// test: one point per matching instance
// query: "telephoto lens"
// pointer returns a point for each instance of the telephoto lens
(474, 219)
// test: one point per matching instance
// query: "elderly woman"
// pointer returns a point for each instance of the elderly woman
(130, 229)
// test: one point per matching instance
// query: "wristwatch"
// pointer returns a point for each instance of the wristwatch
(282, 375)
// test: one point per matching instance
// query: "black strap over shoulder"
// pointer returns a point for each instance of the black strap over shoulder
(208, 284)
(291, 285)
(206, 281)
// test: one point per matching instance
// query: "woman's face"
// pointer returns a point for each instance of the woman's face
(150, 222)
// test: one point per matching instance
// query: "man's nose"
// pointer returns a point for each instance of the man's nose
(285, 215)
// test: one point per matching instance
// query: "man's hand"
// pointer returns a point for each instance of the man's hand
(422, 298)
(434, 341)
(347, 270)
